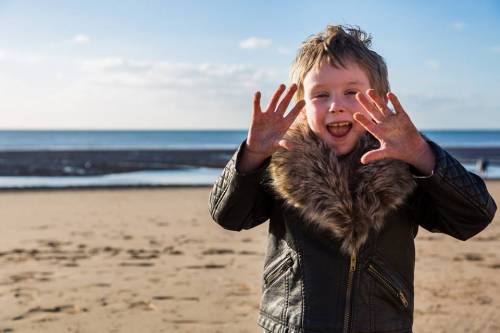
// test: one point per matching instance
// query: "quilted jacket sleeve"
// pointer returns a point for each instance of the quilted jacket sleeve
(239, 200)
(453, 200)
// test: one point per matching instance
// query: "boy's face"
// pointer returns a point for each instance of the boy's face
(330, 95)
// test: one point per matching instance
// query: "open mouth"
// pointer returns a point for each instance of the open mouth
(339, 129)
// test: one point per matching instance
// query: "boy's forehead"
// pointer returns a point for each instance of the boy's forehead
(349, 74)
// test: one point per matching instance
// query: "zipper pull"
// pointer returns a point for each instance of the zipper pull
(353, 262)
(403, 298)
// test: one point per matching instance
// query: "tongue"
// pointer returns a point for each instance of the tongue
(339, 131)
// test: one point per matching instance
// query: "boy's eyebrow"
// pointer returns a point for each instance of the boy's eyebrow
(355, 82)
(350, 83)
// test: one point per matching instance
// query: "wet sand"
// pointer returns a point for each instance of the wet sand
(152, 260)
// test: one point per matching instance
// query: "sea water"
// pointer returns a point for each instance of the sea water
(173, 139)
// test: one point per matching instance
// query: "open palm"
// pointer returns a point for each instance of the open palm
(269, 126)
(398, 136)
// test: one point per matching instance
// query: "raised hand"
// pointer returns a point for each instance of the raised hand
(269, 126)
(398, 137)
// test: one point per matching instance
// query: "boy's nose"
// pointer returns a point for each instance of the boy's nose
(336, 108)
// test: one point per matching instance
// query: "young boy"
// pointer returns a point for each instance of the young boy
(345, 182)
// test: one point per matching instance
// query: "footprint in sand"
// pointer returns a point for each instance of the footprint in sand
(136, 264)
(163, 298)
(142, 254)
(215, 251)
(142, 305)
(206, 266)
(65, 309)
(250, 253)
(172, 251)
(469, 257)
(25, 295)
(29, 276)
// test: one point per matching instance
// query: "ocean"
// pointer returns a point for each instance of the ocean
(182, 139)
(85, 141)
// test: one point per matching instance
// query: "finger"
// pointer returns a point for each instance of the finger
(380, 104)
(292, 115)
(286, 100)
(374, 155)
(285, 144)
(276, 97)
(397, 105)
(369, 125)
(369, 107)
(256, 104)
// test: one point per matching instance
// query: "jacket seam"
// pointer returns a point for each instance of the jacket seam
(280, 321)
(299, 249)
(442, 162)
(477, 205)
(285, 310)
(218, 202)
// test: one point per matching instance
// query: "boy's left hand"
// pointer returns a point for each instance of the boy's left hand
(398, 137)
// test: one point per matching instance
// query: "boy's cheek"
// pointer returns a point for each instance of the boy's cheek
(315, 124)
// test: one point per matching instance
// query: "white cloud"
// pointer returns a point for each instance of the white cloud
(13, 56)
(457, 25)
(81, 39)
(129, 93)
(31, 59)
(432, 64)
(165, 75)
(255, 43)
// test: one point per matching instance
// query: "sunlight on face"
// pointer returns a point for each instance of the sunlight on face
(330, 94)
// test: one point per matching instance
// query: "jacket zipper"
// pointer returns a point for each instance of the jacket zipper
(270, 278)
(387, 284)
(347, 312)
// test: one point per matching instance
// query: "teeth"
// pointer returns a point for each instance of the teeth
(344, 123)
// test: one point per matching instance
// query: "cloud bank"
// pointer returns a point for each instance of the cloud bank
(255, 43)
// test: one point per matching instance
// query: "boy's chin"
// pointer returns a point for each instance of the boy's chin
(342, 151)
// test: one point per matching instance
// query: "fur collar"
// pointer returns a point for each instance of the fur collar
(338, 195)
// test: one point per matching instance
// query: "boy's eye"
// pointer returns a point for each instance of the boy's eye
(321, 95)
(351, 92)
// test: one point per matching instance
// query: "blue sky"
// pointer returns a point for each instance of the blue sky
(195, 64)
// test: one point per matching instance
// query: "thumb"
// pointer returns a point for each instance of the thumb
(285, 144)
(373, 155)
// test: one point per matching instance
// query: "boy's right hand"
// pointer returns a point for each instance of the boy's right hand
(268, 127)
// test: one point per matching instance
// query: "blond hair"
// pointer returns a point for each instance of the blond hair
(338, 44)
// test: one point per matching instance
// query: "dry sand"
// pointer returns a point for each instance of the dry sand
(151, 260)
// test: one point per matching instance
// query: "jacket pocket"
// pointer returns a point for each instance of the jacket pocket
(277, 271)
(276, 288)
(397, 294)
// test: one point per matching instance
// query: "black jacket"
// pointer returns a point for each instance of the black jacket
(311, 285)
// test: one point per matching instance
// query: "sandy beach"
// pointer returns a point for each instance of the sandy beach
(152, 260)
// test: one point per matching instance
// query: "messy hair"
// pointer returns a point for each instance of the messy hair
(338, 44)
